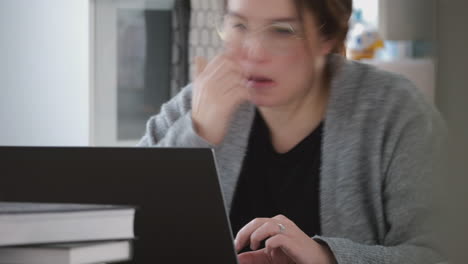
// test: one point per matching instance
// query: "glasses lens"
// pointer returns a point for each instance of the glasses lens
(232, 29)
(275, 38)
(280, 37)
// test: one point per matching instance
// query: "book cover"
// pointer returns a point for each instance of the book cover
(37, 223)
(68, 253)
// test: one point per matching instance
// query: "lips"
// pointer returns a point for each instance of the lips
(259, 79)
(260, 82)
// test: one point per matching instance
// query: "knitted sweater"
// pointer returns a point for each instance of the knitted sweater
(379, 143)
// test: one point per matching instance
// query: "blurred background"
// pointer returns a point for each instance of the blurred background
(91, 72)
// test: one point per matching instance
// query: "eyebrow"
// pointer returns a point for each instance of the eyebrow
(274, 20)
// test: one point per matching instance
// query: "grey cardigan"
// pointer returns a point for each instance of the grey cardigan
(379, 141)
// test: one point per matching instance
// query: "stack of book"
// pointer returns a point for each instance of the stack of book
(38, 233)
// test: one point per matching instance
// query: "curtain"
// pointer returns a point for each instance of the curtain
(180, 45)
(204, 40)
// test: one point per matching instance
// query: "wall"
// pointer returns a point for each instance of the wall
(44, 72)
(111, 71)
(370, 10)
(452, 99)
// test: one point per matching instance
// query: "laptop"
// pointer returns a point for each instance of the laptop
(180, 218)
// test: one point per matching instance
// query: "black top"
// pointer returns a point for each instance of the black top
(271, 183)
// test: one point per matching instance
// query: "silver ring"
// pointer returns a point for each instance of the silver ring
(282, 228)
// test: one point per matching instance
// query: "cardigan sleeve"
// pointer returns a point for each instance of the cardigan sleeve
(407, 189)
(173, 126)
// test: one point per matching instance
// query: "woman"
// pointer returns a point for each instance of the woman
(323, 159)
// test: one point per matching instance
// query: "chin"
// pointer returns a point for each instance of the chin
(269, 97)
(263, 101)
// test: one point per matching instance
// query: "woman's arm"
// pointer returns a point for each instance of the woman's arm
(200, 115)
(173, 126)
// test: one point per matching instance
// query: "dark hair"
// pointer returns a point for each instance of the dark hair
(334, 15)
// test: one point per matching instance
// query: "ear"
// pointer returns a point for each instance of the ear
(327, 45)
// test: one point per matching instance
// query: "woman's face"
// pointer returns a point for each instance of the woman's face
(282, 67)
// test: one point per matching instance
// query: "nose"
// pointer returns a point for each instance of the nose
(254, 50)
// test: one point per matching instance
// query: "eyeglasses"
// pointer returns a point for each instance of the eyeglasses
(278, 38)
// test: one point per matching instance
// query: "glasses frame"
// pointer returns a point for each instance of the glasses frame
(218, 22)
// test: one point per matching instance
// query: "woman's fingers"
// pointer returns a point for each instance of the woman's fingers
(268, 229)
(213, 63)
(276, 226)
(255, 257)
(285, 243)
(231, 86)
(220, 74)
(224, 68)
(260, 229)
(218, 91)
(200, 65)
(243, 236)
(279, 242)
(282, 218)
(219, 62)
(214, 78)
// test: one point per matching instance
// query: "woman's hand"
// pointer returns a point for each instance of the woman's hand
(285, 243)
(219, 88)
